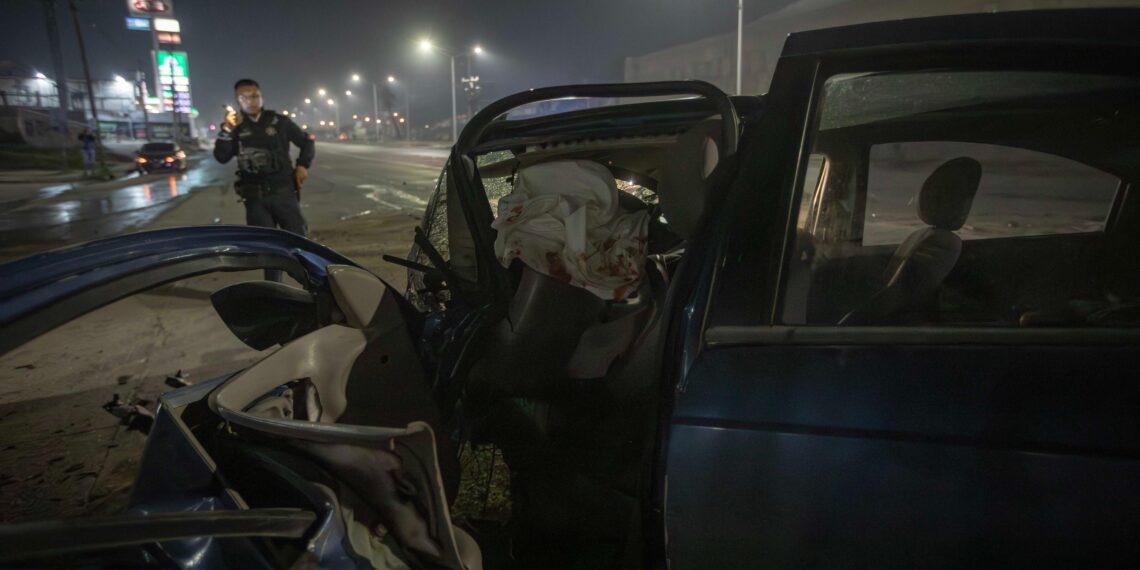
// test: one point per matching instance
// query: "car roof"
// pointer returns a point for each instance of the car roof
(1105, 26)
(623, 120)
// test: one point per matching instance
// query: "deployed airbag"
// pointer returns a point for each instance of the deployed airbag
(562, 219)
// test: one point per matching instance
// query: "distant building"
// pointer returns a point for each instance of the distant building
(714, 59)
(28, 100)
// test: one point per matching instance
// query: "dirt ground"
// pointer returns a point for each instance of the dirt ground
(62, 454)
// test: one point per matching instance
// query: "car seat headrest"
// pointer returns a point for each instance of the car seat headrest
(682, 189)
(948, 193)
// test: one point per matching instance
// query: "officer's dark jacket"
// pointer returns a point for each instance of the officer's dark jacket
(272, 132)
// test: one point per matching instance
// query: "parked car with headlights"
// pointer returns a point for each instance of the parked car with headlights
(159, 156)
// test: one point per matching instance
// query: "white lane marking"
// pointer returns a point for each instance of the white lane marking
(379, 194)
(392, 153)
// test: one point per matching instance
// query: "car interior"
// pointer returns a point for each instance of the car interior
(346, 421)
(1012, 212)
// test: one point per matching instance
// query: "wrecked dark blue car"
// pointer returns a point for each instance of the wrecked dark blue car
(883, 316)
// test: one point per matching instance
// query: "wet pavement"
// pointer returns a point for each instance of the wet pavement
(347, 181)
(69, 213)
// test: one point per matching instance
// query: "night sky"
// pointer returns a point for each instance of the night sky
(292, 47)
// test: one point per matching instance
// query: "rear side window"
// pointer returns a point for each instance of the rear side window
(1021, 192)
(967, 199)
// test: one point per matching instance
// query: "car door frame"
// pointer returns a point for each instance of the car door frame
(43, 291)
(742, 304)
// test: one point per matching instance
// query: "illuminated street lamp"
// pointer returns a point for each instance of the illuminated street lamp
(321, 92)
(308, 101)
(348, 93)
(426, 46)
(356, 77)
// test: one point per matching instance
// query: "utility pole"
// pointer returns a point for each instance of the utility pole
(90, 87)
(61, 88)
(739, 41)
(376, 111)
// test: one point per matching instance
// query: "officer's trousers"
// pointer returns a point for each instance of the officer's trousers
(276, 210)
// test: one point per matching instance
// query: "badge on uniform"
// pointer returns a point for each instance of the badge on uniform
(271, 131)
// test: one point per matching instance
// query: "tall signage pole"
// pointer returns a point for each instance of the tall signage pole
(171, 79)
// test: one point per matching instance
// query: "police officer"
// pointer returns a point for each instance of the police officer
(268, 183)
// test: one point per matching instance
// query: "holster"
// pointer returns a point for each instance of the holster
(251, 189)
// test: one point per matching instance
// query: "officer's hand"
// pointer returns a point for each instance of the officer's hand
(232, 120)
(300, 174)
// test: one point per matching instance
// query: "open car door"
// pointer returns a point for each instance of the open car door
(916, 343)
(363, 413)
(565, 381)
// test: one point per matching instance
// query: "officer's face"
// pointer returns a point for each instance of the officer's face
(249, 97)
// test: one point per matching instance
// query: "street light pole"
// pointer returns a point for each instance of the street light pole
(376, 110)
(739, 41)
(454, 120)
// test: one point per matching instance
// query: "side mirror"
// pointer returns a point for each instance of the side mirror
(264, 313)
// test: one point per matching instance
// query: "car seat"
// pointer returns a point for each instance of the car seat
(923, 260)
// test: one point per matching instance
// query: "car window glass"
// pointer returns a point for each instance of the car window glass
(966, 198)
(1022, 192)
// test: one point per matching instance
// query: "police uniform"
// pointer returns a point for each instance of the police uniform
(265, 171)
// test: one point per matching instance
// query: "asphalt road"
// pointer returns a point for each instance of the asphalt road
(347, 180)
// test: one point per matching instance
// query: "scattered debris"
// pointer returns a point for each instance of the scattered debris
(26, 367)
(178, 380)
(123, 379)
(133, 415)
(73, 468)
